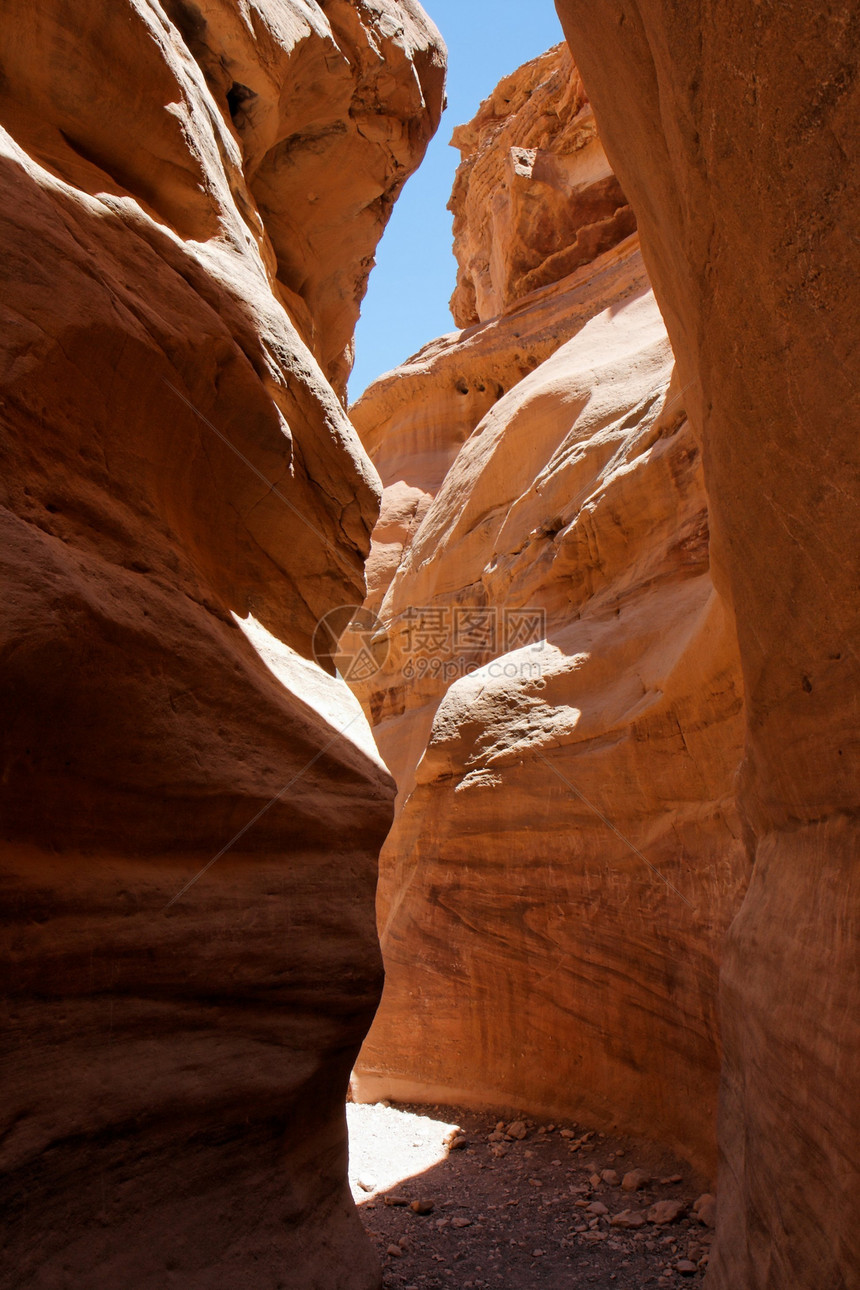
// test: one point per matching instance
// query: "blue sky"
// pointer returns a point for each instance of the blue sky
(407, 299)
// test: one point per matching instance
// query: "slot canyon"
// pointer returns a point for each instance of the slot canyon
(562, 830)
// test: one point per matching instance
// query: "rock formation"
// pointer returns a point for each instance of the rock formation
(561, 703)
(534, 196)
(733, 129)
(192, 810)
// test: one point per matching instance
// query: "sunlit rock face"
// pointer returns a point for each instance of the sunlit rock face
(561, 705)
(534, 196)
(511, 216)
(733, 129)
(191, 198)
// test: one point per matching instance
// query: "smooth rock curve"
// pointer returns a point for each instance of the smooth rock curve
(192, 809)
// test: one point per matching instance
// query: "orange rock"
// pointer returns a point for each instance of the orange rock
(191, 808)
(414, 420)
(734, 132)
(566, 855)
(534, 196)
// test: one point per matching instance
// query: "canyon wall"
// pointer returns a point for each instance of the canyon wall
(191, 808)
(561, 701)
(734, 131)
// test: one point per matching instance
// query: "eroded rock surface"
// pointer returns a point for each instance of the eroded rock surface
(533, 179)
(566, 855)
(192, 194)
(734, 132)
(534, 196)
(415, 419)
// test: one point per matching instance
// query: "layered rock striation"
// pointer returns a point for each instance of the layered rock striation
(734, 133)
(192, 809)
(561, 704)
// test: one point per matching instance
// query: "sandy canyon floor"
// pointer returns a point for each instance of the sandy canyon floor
(455, 1198)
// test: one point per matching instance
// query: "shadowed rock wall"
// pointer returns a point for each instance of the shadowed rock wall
(734, 131)
(191, 197)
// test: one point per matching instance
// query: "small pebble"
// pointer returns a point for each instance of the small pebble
(627, 1219)
(705, 1209)
(665, 1211)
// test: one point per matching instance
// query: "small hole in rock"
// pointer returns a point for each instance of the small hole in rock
(237, 96)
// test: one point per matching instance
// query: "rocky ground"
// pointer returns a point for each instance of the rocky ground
(456, 1198)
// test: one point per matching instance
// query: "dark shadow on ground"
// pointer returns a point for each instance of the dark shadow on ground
(512, 1214)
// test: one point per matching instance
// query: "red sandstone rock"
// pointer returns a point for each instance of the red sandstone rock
(628, 1219)
(191, 196)
(665, 1211)
(705, 1210)
(534, 196)
(733, 129)
(566, 856)
(415, 419)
